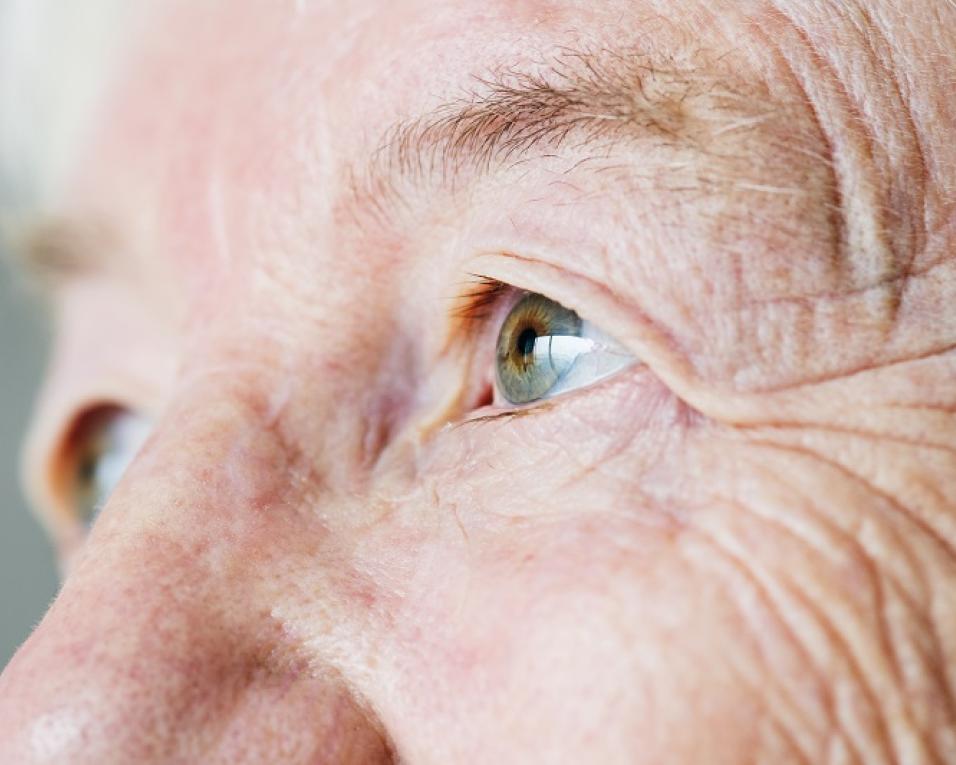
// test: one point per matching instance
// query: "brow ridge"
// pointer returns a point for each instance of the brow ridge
(578, 102)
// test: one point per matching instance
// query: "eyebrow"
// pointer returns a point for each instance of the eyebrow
(55, 250)
(585, 102)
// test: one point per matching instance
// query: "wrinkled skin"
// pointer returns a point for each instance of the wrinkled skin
(741, 550)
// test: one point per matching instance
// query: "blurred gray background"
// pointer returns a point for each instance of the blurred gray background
(28, 577)
(53, 58)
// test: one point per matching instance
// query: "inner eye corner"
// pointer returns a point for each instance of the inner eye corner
(486, 395)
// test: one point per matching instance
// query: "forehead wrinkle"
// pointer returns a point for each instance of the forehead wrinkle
(581, 101)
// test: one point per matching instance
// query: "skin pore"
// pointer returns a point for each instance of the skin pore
(336, 546)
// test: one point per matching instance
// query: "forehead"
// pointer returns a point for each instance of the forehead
(265, 105)
(231, 130)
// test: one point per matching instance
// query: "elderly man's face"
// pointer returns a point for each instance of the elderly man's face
(529, 382)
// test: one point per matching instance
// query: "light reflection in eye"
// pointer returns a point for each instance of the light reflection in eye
(105, 442)
(545, 349)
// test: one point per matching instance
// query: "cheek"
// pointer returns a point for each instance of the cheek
(538, 559)
(501, 624)
(592, 452)
(536, 543)
(510, 618)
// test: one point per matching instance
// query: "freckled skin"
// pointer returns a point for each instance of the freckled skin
(741, 550)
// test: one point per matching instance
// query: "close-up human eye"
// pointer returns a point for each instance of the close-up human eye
(97, 452)
(544, 349)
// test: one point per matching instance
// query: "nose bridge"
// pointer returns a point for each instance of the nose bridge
(159, 636)
(190, 518)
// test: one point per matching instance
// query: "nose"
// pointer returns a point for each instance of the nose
(163, 646)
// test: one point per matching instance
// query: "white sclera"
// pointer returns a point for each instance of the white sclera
(588, 358)
(123, 437)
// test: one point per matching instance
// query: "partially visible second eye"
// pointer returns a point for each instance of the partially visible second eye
(104, 443)
(545, 349)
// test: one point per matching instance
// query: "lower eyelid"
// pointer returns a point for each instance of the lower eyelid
(502, 415)
(496, 414)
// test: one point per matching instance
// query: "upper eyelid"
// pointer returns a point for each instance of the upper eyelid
(520, 275)
(592, 299)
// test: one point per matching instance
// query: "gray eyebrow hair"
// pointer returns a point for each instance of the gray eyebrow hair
(590, 100)
(52, 251)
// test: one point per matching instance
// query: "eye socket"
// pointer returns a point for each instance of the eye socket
(545, 349)
(101, 446)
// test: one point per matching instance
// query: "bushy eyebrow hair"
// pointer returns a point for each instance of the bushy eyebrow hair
(578, 100)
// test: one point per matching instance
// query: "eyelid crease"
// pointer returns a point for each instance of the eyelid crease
(538, 407)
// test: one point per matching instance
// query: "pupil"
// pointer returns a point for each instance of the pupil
(526, 341)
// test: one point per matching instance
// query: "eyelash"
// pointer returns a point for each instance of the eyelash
(479, 303)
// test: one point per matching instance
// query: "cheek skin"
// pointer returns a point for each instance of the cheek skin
(545, 576)
(508, 612)
(736, 579)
